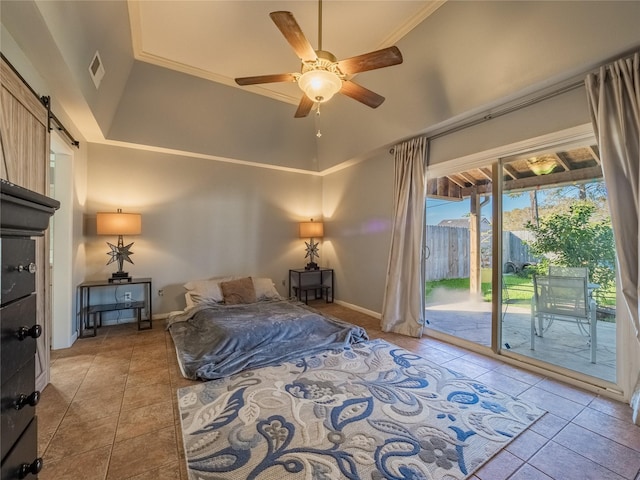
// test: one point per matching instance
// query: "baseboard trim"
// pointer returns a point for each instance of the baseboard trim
(357, 308)
(118, 321)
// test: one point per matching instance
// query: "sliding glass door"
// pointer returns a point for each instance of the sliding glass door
(459, 255)
(546, 292)
(558, 262)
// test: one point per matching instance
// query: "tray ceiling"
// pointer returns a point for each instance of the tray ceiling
(222, 40)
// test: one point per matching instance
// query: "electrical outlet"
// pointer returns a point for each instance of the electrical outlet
(160, 292)
(127, 296)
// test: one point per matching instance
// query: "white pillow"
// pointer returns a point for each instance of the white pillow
(265, 289)
(206, 290)
(209, 290)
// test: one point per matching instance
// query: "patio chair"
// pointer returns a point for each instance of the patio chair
(574, 272)
(568, 271)
(562, 298)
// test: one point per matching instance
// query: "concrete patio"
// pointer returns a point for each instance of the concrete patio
(563, 344)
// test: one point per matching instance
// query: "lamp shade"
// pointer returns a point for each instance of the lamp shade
(311, 229)
(319, 85)
(109, 223)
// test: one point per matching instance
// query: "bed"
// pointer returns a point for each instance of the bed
(231, 325)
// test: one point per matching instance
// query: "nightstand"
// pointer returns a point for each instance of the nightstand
(319, 283)
(90, 308)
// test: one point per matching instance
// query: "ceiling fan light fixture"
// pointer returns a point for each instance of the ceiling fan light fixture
(320, 85)
(321, 75)
(542, 165)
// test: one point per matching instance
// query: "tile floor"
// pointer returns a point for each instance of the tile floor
(110, 412)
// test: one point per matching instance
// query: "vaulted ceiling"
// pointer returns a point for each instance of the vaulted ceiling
(169, 68)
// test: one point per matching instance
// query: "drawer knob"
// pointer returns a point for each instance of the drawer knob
(24, 400)
(30, 468)
(31, 268)
(33, 332)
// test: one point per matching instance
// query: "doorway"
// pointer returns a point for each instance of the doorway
(63, 332)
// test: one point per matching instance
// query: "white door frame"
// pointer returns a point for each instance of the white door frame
(63, 332)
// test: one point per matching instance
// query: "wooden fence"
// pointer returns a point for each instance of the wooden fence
(448, 251)
(515, 251)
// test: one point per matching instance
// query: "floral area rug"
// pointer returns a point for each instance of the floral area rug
(371, 411)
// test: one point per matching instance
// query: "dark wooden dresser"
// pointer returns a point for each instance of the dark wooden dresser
(23, 215)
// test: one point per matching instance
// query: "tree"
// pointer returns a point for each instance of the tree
(593, 192)
(574, 239)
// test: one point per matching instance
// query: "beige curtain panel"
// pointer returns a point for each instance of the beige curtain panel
(403, 305)
(614, 104)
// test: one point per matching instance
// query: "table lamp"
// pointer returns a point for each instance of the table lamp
(119, 223)
(311, 230)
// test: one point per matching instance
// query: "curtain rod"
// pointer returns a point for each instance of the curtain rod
(46, 101)
(507, 110)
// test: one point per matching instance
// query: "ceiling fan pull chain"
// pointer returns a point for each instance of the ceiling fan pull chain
(318, 132)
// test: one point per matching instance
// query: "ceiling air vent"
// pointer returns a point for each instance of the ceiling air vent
(96, 70)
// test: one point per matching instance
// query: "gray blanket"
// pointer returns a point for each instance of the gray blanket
(215, 341)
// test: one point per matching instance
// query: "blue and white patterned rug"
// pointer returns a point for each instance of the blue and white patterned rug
(372, 411)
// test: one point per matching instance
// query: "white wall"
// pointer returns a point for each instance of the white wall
(358, 207)
(200, 218)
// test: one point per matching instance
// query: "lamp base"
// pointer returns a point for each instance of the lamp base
(120, 277)
(312, 266)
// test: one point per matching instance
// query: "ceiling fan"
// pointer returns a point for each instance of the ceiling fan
(321, 74)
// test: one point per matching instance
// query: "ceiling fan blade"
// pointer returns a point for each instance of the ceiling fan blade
(292, 32)
(278, 77)
(361, 94)
(304, 108)
(371, 61)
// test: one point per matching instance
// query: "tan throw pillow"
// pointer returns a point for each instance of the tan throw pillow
(238, 291)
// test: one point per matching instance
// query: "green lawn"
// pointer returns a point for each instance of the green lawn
(455, 284)
(518, 289)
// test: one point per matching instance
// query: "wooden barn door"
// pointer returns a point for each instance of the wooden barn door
(25, 162)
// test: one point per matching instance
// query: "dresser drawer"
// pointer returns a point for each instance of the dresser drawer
(22, 461)
(17, 391)
(16, 318)
(18, 268)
